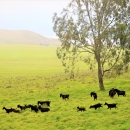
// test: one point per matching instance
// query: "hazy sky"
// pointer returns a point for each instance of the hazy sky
(32, 15)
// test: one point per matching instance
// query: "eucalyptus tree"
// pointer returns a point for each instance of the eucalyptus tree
(97, 27)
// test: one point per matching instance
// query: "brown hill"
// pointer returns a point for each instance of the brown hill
(25, 37)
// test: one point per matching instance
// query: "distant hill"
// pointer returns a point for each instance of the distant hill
(26, 37)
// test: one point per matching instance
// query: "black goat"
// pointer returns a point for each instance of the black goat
(111, 105)
(112, 93)
(7, 110)
(15, 110)
(119, 92)
(94, 95)
(44, 109)
(81, 109)
(34, 108)
(27, 106)
(44, 102)
(66, 96)
(96, 106)
(21, 107)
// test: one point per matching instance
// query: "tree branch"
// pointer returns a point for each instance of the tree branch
(117, 58)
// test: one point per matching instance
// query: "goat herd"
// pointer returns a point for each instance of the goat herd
(40, 104)
(33, 107)
(112, 93)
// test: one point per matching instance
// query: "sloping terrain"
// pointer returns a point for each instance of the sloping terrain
(25, 37)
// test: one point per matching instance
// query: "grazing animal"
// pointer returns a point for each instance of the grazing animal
(27, 106)
(96, 106)
(44, 102)
(111, 105)
(66, 96)
(7, 110)
(15, 110)
(119, 92)
(34, 108)
(21, 107)
(44, 109)
(94, 95)
(112, 93)
(81, 109)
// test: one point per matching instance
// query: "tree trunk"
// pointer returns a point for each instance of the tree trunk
(100, 76)
(100, 79)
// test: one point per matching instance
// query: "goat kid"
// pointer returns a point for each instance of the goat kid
(66, 96)
(34, 108)
(81, 108)
(21, 107)
(96, 106)
(15, 110)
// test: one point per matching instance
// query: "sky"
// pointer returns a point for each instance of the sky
(32, 15)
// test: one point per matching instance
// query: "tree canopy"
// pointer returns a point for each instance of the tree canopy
(98, 27)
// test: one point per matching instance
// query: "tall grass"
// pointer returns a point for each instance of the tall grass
(29, 73)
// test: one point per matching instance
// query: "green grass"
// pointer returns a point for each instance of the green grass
(28, 59)
(29, 73)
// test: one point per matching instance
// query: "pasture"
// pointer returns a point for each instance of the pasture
(29, 73)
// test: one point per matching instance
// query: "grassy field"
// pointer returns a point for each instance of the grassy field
(29, 73)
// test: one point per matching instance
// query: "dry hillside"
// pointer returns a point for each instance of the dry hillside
(25, 37)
